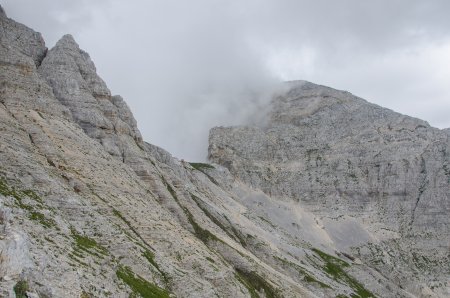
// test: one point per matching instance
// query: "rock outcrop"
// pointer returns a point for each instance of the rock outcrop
(75, 83)
(88, 209)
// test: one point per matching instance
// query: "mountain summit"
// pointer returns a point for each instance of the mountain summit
(332, 197)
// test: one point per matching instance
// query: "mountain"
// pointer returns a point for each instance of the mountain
(330, 197)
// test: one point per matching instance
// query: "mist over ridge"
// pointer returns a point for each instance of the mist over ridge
(186, 67)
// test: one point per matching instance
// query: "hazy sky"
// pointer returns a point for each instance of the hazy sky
(185, 66)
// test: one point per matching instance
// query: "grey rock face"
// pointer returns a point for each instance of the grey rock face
(19, 37)
(72, 75)
(13, 247)
(339, 155)
(86, 205)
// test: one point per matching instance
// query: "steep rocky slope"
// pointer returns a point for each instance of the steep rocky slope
(88, 209)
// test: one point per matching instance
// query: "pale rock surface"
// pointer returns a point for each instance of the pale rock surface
(86, 198)
(378, 180)
(13, 247)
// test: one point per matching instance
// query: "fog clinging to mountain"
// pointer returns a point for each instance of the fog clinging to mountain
(185, 66)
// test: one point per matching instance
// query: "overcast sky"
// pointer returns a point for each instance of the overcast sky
(185, 66)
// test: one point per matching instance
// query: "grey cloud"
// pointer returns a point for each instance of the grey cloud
(185, 66)
(53, 18)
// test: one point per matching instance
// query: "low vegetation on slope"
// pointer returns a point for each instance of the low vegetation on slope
(140, 286)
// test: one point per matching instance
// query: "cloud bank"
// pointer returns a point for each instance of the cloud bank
(185, 66)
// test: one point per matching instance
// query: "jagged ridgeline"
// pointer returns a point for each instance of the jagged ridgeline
(333, 197)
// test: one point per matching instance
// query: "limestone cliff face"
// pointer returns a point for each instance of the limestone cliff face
(75, 83)
(88, 209)
(344, 158)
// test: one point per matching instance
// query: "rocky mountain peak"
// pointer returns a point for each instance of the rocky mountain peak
(105, 118)
(68, 54)
(334, 109)
(338, 156)
(68, 42)
(334, 197)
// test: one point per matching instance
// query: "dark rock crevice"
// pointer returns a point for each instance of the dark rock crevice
(2, 12)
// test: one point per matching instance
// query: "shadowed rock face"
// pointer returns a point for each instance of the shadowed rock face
(2, 12)
(87, 208)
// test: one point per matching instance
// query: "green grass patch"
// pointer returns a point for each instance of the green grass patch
(311, 279)
(306, 276)
(40, 218)
(76, 257)
(201, 166)
(210, 259)
(267, 221)
(170, 189)
(5, 189)
(247, 285)
(202, 234)
(330, 259)
(119, 215)
(89, 245)
(8, 191)
(49, 240)
(140, 286)
(32, 195)
(86, 295)
(20, 289)
(151, 259)
(235, 235)
(333, 267)
(20, 195)
(255, 284)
